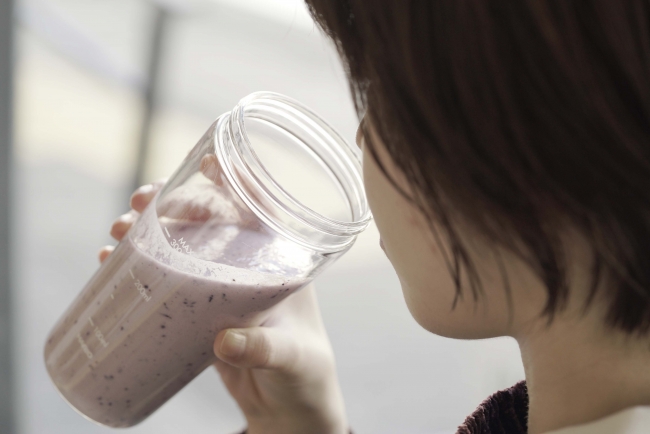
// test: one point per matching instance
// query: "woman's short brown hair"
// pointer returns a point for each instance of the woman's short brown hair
(521, 116)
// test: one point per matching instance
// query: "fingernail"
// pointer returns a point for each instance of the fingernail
(145, 189)
(233, 344)
(126, 218)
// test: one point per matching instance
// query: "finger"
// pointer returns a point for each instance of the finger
(104, 252)
(190, 209)
(122, 225)
(143, 195)
(258, 347)
(230, 375)
(235, 381)
(198, 202)
(211, 169)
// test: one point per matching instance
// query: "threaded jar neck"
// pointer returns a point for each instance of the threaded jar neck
(265, 117)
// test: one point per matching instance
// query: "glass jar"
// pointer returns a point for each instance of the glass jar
(269, 197)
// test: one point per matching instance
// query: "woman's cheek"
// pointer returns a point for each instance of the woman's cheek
(426, 284)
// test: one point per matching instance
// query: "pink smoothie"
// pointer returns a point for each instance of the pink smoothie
(141, 329)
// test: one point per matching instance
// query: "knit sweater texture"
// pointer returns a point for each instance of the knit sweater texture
(505, 412)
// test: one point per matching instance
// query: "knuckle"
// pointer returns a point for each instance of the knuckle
(104, 252)
(137, 201)
(116, 229)
(293, 357)
(262, 350)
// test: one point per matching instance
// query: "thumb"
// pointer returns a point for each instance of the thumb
(257, 347)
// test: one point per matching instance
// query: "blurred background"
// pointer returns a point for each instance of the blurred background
(111, 93)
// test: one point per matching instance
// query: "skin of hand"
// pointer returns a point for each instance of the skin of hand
(281, 374)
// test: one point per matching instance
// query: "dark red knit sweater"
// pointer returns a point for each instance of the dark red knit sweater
(505, 412)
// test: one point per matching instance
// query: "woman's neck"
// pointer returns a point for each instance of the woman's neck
(576, 372)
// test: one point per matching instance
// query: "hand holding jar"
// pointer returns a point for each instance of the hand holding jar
(217, 248)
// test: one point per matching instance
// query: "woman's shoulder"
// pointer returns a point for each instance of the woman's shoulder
(634, 420)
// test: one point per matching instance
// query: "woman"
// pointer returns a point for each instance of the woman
(507, 164)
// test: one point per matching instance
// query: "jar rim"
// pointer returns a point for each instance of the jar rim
(348, 161)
